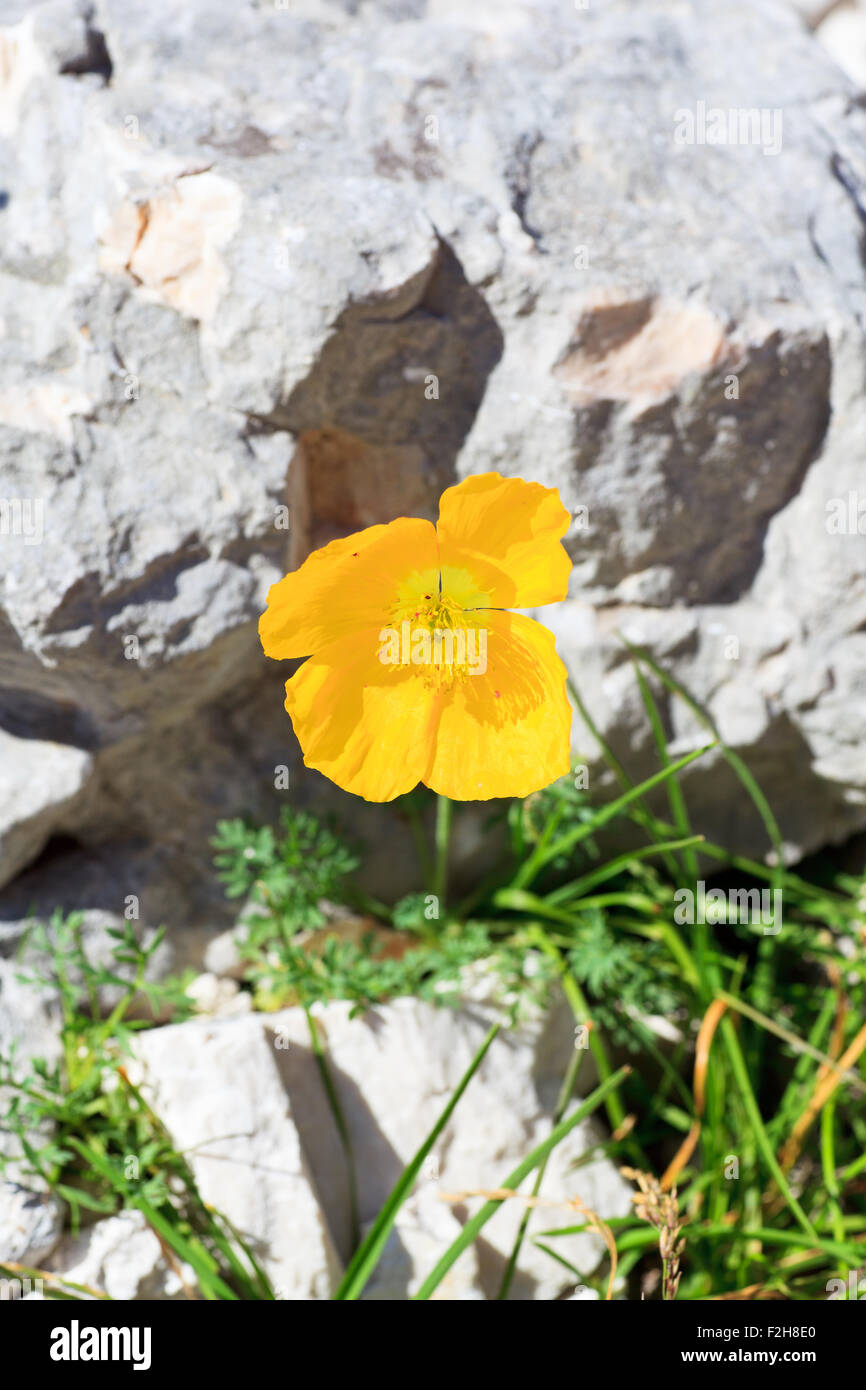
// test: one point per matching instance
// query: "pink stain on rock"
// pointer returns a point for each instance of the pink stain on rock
(633, 349)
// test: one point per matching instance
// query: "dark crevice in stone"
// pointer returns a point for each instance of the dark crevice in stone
(384, 412)
(85, 603)
(94, 58)
(29, 714)
(518, 179)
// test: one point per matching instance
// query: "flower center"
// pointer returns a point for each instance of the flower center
(442, 612)
(442, 640)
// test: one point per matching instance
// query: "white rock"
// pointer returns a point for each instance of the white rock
(814, 11)
(843, 34)
(244, 1098)
(30, 1224)
(219, 998)
(222, 956)
(40, 791)
(394, 1069)
(120, 1256)
(583, 1295)
(425, 1226)
(216, 1085)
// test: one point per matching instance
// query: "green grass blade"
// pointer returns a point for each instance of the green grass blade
(212, 1285)
(676, 799)
(579, 886)
(514, 1179)
(569, 841)
(367, 1255)
(750, 1104)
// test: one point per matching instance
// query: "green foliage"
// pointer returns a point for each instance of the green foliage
(86, 1130)
(622, 977)
(410, 913)
(563, 803)
(287, 871)
(296, 876)
(78, 1096)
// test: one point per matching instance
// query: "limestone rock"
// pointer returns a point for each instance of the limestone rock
(332, 258)
(218, 997)
(424, 1228)
(120, 1256)
(40, 791)
(30, 1224)
(243, 1096)
(216, 1086)
(843, 34)
(394, 1069)
(813, 12)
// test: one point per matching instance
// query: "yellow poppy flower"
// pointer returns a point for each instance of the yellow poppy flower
(416, 672)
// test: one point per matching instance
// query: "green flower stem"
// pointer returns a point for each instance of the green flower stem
(828, 1163)
(443, 835)
(421, 849)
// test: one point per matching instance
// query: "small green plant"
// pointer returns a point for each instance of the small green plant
(86, 1131)
(286, 872)
(295, 877)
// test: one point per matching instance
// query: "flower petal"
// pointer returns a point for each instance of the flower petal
(505, 732)
(347, 585)
(366, 725)
(506, 533)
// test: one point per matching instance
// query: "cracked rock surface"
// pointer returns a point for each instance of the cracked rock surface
(332, 257)
(244, 1097)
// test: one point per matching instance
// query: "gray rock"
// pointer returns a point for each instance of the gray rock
(120, 1256)
(216, 1087)
(28, 1017)
(40, 791)
(223, 956)
(334, 257)
(244, 1097)
(31, 1224)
